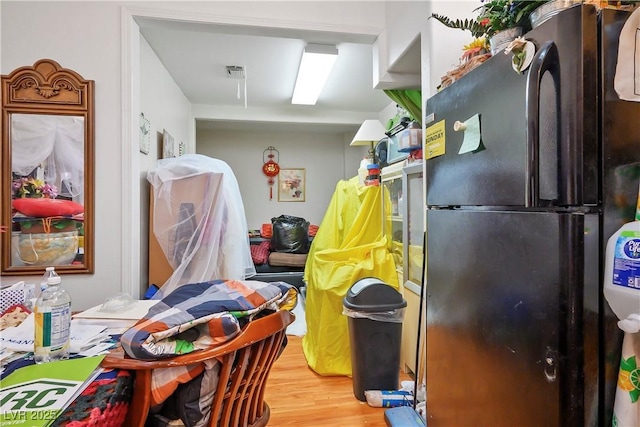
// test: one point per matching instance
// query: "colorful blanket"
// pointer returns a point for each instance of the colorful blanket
(196, 316)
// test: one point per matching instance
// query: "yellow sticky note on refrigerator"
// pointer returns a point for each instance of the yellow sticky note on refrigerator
(434, 142)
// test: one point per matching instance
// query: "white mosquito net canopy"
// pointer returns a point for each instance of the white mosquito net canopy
(199, 221)
(55, 143)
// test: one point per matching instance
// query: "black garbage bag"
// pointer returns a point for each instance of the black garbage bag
(290, 234)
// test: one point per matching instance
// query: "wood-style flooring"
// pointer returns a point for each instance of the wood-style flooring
(299, 397)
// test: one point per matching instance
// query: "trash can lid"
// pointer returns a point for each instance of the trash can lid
(371, 294)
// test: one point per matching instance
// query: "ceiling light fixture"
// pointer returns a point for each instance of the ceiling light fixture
(315, 66)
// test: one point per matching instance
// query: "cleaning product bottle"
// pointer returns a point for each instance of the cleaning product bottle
(626, 407)
(52, 320)
(622, 269)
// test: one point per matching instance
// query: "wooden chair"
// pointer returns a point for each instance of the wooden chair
(239, 397)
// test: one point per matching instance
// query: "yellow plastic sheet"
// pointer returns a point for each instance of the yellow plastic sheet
(349, 246)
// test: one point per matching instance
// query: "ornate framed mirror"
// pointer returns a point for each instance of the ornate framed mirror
(47, 170)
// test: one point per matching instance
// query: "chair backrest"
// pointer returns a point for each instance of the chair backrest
(246, 363)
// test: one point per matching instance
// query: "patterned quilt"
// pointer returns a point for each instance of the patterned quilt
(196, 316)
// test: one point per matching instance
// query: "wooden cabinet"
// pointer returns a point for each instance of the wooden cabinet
(396, 51)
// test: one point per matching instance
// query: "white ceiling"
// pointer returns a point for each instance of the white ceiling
(196, 56)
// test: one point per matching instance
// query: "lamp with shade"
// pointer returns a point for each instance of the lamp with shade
(370, 132)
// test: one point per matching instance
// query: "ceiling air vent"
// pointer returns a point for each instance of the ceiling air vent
(235, 71)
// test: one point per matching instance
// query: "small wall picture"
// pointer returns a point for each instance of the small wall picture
(291, 185)
(168, 145)
(145, 134)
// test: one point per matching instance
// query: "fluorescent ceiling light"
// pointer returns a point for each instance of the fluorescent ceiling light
(317, 62)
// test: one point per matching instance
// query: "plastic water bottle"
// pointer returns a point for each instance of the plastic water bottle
(49, 272)
(52, 323)
(622, 291)
(622, 269)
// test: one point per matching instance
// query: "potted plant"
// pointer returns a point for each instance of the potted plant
(32, 187)
(471, 25)
(494, 17)
(504, 20)
(500, 15)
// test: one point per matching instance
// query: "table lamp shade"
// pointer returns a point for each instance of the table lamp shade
(370, 132)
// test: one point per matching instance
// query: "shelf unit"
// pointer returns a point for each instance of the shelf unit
(413, 239)
(393, 213)
(413, 230)
(403, 225)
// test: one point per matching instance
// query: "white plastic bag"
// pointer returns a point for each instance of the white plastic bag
(627, 78)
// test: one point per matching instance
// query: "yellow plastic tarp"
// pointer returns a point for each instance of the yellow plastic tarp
(349, 246)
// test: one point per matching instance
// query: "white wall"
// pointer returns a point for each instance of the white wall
(85, 37)
(165, 106)
(442, 46)
(322, 155)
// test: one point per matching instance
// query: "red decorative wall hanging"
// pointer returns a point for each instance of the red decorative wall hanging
(270, 167)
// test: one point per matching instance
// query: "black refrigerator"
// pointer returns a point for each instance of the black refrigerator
(518, 331)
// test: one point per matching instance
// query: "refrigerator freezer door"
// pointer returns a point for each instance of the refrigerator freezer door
(505, 319)
(497, 94)
(563, 152)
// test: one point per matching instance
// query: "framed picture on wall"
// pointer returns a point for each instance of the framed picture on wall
(291, 185)
(168, 145)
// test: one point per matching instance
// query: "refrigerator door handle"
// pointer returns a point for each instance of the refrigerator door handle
(546, 59)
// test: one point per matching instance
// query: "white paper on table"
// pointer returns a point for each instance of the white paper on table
(22, 337)
(101, 348)
(136, 311)
(627, 79)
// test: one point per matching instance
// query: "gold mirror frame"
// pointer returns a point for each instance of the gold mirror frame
(47, 89)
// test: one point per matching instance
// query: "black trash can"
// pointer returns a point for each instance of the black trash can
(375, 312)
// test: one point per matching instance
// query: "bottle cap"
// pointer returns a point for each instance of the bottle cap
(54, 280)
(50, 268)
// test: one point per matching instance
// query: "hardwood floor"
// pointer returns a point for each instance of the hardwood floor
(299, 397)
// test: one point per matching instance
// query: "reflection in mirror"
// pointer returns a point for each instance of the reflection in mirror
(47, 170)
